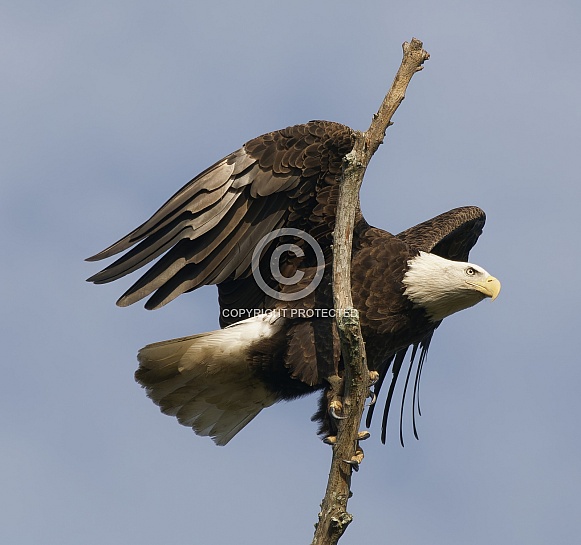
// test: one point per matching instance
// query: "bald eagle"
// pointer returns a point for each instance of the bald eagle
(259, 225)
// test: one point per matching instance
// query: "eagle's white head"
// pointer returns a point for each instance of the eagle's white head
(443, 287)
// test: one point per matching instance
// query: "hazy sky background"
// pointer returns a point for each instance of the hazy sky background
(108, 107)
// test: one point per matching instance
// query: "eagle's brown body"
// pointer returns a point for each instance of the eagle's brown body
(206, 234)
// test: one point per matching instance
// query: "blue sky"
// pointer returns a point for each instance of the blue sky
(108, 107)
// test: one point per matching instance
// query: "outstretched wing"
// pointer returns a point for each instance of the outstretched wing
(450, 235)
(206, 233)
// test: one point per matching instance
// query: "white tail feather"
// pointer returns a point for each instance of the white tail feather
(205, 380)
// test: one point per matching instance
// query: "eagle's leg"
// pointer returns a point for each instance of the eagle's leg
(334, 398)
(335, 393)
(330, 407)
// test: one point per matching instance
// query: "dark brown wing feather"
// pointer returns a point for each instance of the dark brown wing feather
(451, 234)
(207, 231)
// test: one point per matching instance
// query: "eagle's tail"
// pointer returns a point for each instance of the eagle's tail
(205, 380)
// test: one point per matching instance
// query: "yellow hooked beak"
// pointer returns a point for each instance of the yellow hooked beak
(489, 287)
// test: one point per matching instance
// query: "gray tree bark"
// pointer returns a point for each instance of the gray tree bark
(333, 517)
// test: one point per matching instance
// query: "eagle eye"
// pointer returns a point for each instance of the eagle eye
(471, 271)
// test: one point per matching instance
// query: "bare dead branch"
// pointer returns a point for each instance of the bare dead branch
(334, 518)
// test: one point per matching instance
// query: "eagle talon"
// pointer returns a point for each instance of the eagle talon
(335, 406)
(335, 415)
(330, 440)
(362, 435)
(373, 377)
(353, 463)
(356, 459)
(373, 399)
